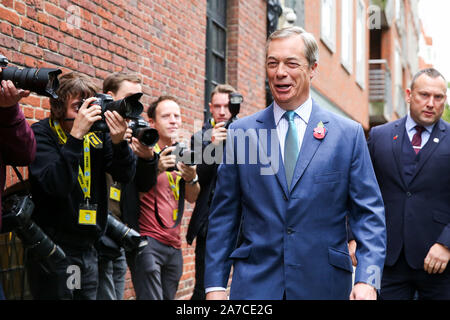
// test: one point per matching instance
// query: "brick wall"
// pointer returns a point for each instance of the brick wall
(163, 40)
(332, 80)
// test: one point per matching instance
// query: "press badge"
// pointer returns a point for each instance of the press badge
(114, 192)
(88, 214)
(175, 215)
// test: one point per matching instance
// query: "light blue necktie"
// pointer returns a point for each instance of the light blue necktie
(290, 147)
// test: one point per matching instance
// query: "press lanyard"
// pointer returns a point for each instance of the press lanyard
(174, 185)
(84, 179)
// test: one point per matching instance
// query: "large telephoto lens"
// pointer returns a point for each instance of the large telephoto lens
(43, 81)
(129, 107)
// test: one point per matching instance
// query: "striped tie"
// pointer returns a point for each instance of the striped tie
(417, 139)
(290, 147)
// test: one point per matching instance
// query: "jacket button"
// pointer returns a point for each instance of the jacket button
(290, 231)
(408, 194)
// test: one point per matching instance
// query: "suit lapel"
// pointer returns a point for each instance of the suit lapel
(436, 137)
(398, 134)
(309, 144)
(267, 122)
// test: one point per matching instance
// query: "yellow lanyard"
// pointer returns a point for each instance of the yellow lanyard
(174, 185)
(84, 178)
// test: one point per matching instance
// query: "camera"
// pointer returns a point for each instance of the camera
(129, 108)
(127, 237)
(142, 131)
(43, 81)
(234, 106)
(17, 210)
(183, 154)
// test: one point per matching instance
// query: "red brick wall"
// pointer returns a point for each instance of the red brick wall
(332, 80)
(163, 40)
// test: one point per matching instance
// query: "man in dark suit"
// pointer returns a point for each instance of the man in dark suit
(291, 175)
(209, 140)
(411, 158)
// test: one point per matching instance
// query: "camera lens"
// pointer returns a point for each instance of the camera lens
(43, 81)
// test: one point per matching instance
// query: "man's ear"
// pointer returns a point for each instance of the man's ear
(313, 70)
(112, 94)
(408, 95)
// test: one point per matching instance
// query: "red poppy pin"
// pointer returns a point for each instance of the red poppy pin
(396, 137)
(320, 131)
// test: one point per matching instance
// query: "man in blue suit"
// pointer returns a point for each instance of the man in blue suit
(291, 175)
(411, 158)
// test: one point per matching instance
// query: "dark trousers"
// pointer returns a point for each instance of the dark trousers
(401, 282)
(74, 278)
(200, 248)
(111, 277)
(156, 271)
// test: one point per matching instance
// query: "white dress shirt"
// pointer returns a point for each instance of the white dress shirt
(301, 119)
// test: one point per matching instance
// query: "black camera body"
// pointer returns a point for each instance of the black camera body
(142, 131)
(126, 237)
(234, 106)
(129, 108)
(43, 81)
(17, 210)
(182, 154)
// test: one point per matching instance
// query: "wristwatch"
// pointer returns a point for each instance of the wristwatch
(193, 181)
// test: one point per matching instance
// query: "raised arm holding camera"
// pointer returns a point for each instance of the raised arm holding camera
(17, 143)
(159, 267)
(69, 186)
(213, 132)
(123, 199)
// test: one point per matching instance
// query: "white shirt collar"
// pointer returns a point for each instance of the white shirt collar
(303, 111)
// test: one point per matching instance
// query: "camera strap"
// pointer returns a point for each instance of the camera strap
(84, 178)
(177, 187)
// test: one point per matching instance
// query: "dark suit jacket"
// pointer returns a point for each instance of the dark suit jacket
(418, 214)
(207, 174)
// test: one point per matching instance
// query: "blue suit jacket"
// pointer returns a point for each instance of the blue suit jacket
(295, 241)
(418, 214)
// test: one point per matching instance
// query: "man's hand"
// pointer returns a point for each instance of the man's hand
(437, 259)
(166, 159)
(188, 173)
(219, 133)
(117, 126)
(85, 118)
(363, 291)
(140, 150)
(217, 295)
(352, 252)
(10, 95)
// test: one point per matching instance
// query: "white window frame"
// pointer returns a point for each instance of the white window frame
(328, 24)
(347, 7)
(361, 50)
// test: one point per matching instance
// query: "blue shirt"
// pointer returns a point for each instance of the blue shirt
(410, 130)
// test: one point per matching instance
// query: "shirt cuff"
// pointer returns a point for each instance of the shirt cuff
(211, 289)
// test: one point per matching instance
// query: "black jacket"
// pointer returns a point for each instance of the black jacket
(207, 174)
(144, 180)
(55, 188)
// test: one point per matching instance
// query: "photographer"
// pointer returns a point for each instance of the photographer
(213, 132)
(17, 143)
(158, 268)
(69, 186)
(123, 200)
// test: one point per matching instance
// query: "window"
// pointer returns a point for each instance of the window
(216, 39)
(347, 34)
(361, 43)
(328, 23)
